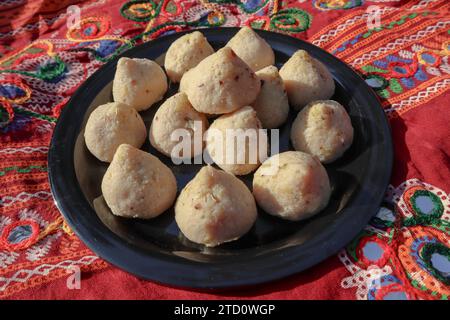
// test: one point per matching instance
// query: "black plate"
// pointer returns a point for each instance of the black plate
(274, 248)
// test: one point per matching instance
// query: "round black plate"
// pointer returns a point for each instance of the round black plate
(155, 249)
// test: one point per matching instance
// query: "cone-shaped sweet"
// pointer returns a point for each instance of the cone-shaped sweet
(220, 83)
(111, 125)
(137, 184)
(324, 129)
(291, 185)
(271, 105)
(306, 79)
(176, 118)
(215, 207)
(185, 53)
(139, 83)
(234, 141)
(251, 48)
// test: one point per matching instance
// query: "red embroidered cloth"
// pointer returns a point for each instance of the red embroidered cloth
(400, 47)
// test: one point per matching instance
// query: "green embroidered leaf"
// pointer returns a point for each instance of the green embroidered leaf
(257, 24)
(371, 69)
(27, 169)
(34, 50)
(171, 7)
(7, 63)
(384, 94)
(395, 86)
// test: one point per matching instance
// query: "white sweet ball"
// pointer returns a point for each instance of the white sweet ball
(139, 83)
(251, 48)
(306, 79)
(185, 53)
(215, 207)
(221, 83)
(291, 185)
(137, 184)
(324, 129)
(111, 125)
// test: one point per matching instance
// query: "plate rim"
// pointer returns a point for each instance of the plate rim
(107, 245)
